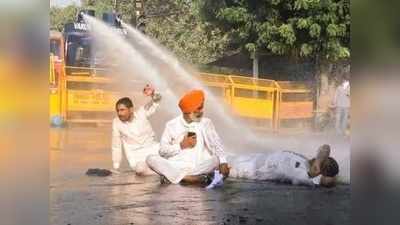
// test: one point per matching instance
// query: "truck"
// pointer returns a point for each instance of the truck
(78, 81)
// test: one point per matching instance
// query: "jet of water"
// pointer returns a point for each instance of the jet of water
(112, 43)
(158, 52)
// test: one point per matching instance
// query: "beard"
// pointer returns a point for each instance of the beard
(125, 118)
(195, 117)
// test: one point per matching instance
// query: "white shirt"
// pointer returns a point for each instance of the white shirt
(208, 142)
(342, 95)
(287, 166)
(134, 134)
(278, 166)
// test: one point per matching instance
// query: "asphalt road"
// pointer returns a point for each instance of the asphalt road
(77, 199)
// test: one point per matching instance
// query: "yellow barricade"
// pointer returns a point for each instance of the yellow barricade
(219, 85)
(266, 103)
(84, 95)
(254, 99)
(295, 104)
(89, 98)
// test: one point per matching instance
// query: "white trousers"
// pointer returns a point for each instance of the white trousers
(137, 158)
(175, 172)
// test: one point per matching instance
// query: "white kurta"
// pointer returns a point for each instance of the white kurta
(278, 166)
(175, 163)
(136, 137)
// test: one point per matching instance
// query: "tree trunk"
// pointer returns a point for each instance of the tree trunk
(255, 57)
(116, 5)
(324, 90)
(255, 65)
(132, 10)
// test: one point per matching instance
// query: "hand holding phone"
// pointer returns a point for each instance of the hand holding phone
(189, 141)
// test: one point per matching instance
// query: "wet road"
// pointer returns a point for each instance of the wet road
(127, 199)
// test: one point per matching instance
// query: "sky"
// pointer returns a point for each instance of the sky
(62, 3)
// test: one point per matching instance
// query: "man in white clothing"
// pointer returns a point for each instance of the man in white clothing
(132, 131)
(190, 145)
(341, 103)
(287, 166)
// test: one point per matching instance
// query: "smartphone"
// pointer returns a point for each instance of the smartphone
(191, 134)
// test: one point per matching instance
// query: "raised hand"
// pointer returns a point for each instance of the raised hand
(148, 90)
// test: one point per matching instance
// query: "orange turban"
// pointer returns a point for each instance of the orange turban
(191, 101)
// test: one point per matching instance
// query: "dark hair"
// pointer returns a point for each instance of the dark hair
(325, 147)
(329, 167)
(124, 101)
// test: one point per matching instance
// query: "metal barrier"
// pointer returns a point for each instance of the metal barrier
(295, 104)
(264, 103)
(254, 100)
(85, 95)
(219, 85)
(89, 98)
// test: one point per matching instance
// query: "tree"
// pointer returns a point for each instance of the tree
(124, 7)
(318, 29)
(177, 27)
(60, 16)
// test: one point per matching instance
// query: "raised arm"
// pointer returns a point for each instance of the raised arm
(151, 107)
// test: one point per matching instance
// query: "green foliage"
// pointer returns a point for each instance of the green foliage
(201, 31)
(315, 30)
(61, 16)
(175, 25)
(300, 28)
(303, 23)
(251, 47)
(306, 49)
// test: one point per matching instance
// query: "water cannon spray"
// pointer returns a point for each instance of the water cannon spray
(89, 12)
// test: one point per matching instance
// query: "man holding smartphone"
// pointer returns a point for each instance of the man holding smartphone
(190, 146)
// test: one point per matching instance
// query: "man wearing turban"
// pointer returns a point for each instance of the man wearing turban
(190, 146)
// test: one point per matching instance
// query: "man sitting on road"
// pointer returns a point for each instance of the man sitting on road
(190, 146)
(132, 131)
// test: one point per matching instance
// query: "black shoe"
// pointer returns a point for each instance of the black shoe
(98, 172)
(164, 180)
(206, 179)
